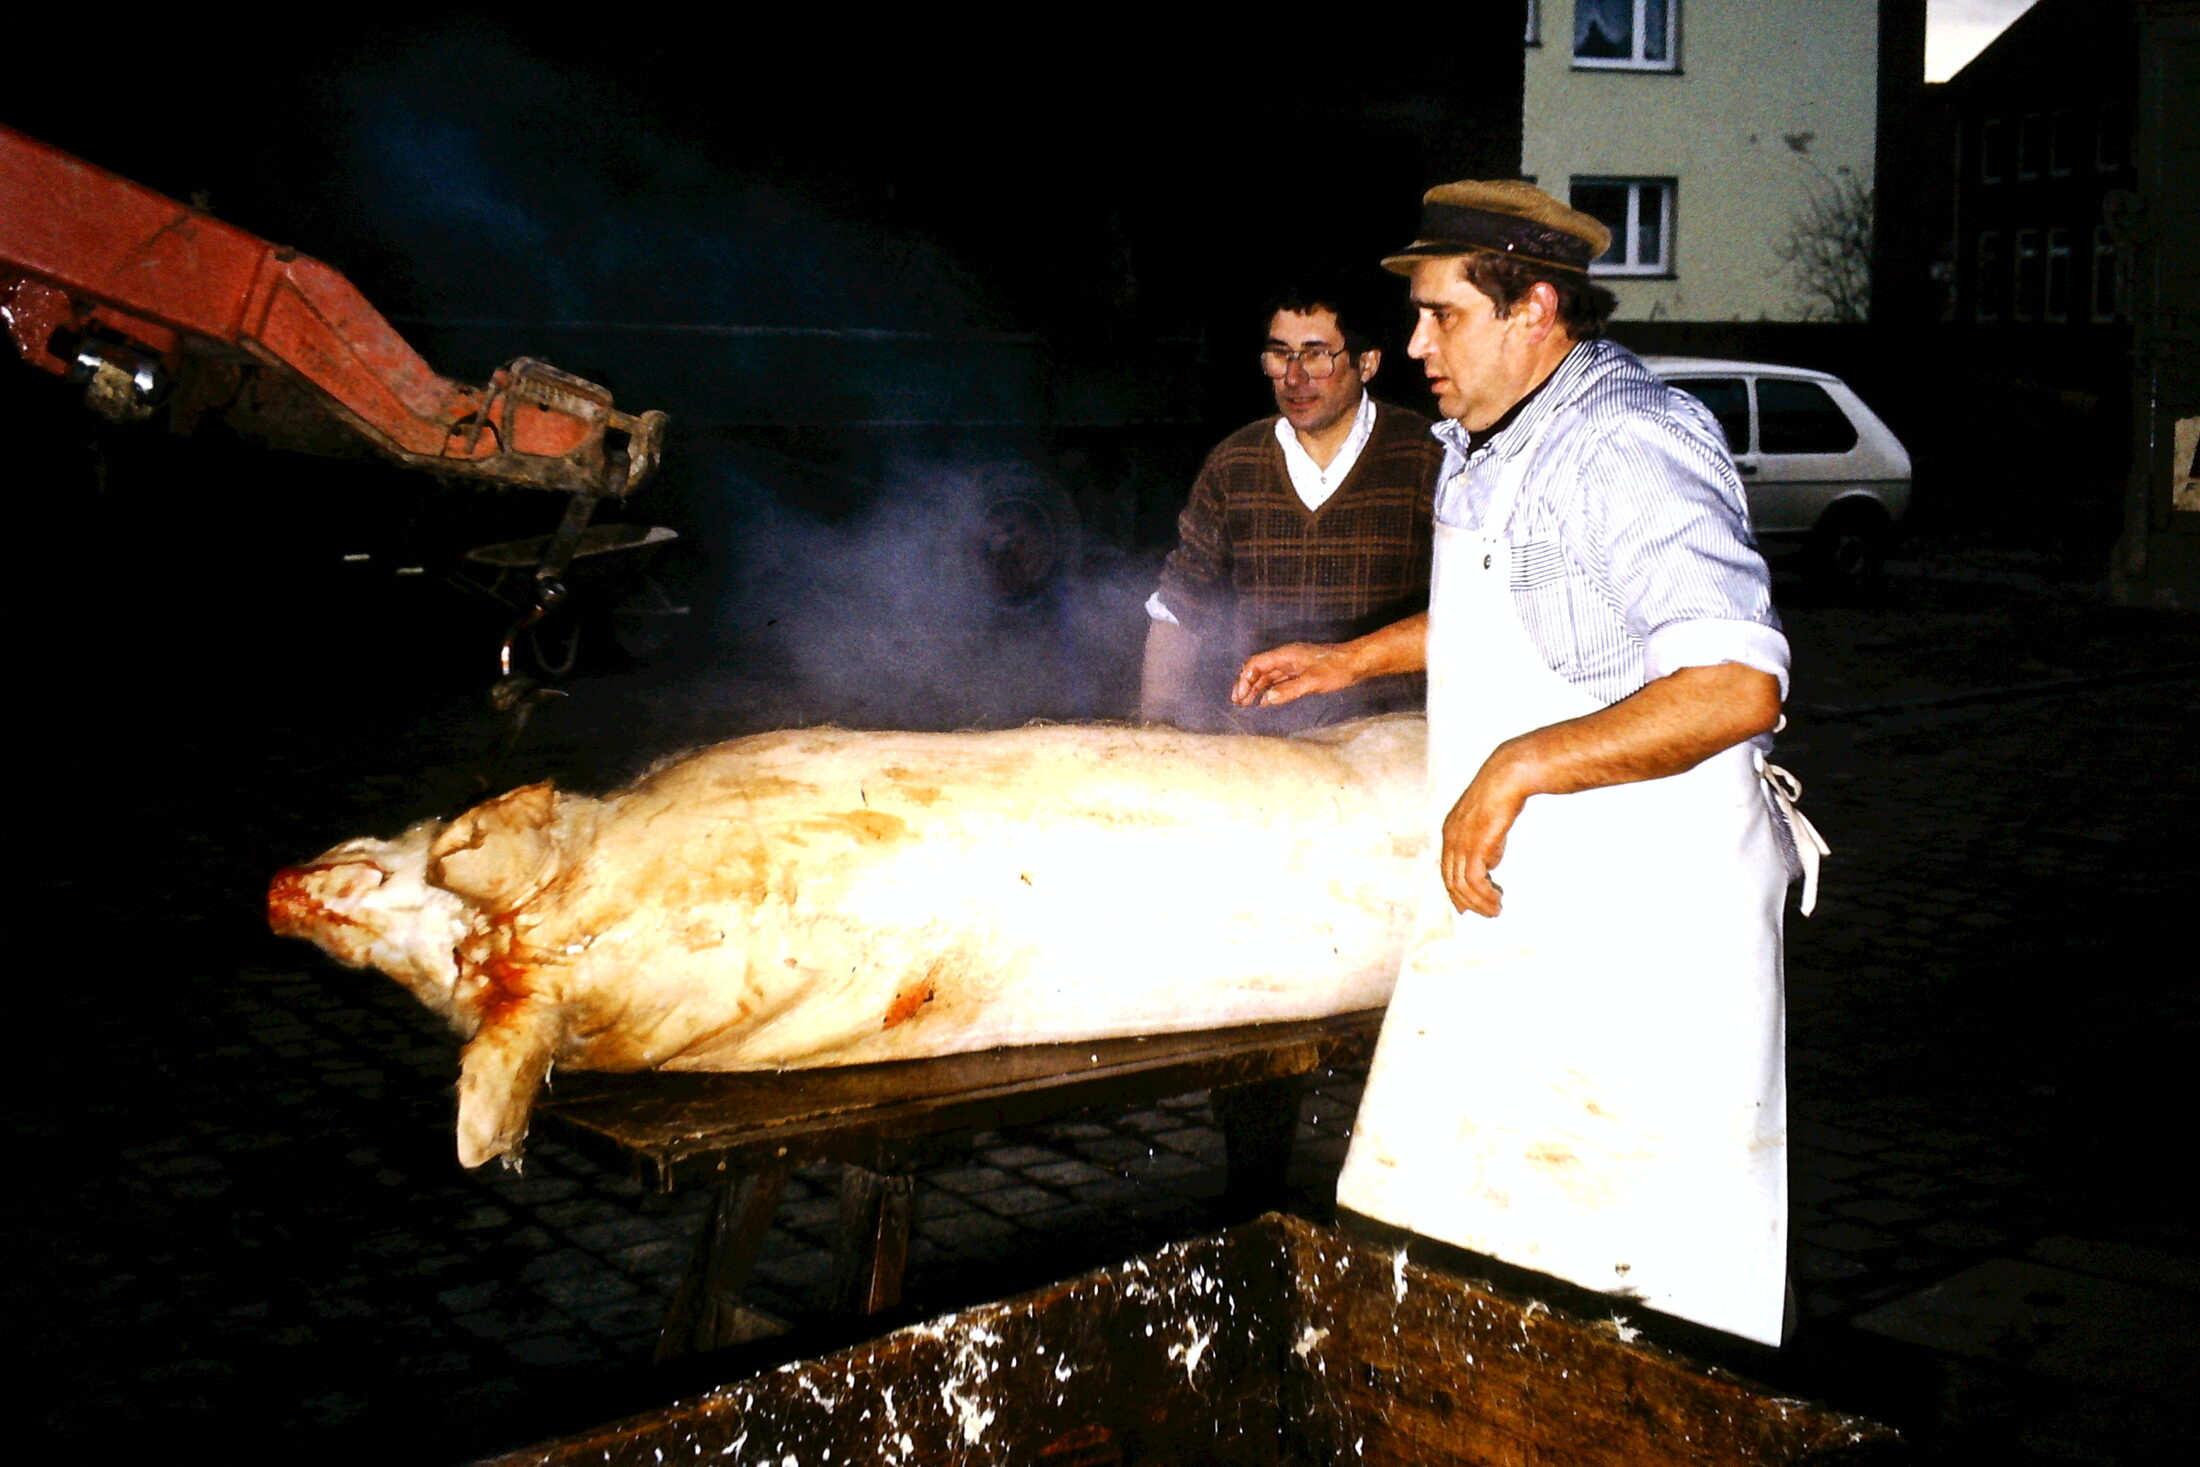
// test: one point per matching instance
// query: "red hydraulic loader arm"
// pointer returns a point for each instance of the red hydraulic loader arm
(139, 296)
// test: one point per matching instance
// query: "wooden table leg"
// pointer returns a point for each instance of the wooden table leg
(707, 1312)
(872, 1251)
(1259, 1122)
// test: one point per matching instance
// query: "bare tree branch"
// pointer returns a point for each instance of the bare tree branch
(1828, 249)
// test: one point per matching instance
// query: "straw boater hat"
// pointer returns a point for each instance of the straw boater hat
(1502, 217)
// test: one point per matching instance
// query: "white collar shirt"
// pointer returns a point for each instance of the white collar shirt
(1309, 480)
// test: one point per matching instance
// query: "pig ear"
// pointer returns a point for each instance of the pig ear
(499, 1074)
(500, 853)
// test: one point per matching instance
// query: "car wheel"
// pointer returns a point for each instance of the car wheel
(1846, 553)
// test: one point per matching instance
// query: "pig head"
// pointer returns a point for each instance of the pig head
(826, 896)
(437, 909)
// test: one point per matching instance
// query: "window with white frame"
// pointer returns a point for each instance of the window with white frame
(2031, 277)
(2105, 301)
(2111, 145)
(1989, 279)
(1639, 212)
(2064, 143)
(1630, 35)
(2032, 146)
(1994, 150)
(2058, 275)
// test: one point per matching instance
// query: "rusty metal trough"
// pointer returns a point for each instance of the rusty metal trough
(1274, 1343)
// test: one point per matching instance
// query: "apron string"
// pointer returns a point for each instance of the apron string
(1810, 846)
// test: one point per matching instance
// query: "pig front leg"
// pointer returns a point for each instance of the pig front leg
(500, 1072)
(498, 856)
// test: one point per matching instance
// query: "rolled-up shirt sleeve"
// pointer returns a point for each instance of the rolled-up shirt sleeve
(1665, 526)
(1707, 643)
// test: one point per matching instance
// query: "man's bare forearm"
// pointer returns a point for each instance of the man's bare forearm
(1282, 674)
(1400, 647)
(1165, 691)
(1670, 725)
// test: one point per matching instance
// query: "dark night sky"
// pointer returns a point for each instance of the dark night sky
(528, 169)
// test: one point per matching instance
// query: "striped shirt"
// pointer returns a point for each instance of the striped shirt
(1632, 549)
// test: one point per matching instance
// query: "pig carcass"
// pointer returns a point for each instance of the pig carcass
(827, 896)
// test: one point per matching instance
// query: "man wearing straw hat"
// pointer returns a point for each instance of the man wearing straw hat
(1582, 1070)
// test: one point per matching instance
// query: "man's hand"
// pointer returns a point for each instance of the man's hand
(1290, 672)
(1474, 838)
(1282, 674)
(1672, 724)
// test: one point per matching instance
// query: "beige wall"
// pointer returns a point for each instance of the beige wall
(1751, 73)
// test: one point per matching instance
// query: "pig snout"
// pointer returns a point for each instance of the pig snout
(367, 903)
(315, 901)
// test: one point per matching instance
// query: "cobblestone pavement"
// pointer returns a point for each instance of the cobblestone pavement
(239, 1225)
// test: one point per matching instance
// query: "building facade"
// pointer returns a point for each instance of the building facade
(2071, 276)
(2043, 169)
(1729, 145)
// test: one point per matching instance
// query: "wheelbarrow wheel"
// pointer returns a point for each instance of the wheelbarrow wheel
(1845, 556)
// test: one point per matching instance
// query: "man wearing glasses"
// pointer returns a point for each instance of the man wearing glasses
(1312, 525)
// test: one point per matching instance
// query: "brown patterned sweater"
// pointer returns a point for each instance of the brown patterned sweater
(1254, 567)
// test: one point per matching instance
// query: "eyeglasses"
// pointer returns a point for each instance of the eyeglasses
(1314, 361)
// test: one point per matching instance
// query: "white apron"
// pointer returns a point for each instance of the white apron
(1591, 1084)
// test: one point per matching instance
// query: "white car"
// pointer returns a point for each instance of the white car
(1826, 479)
